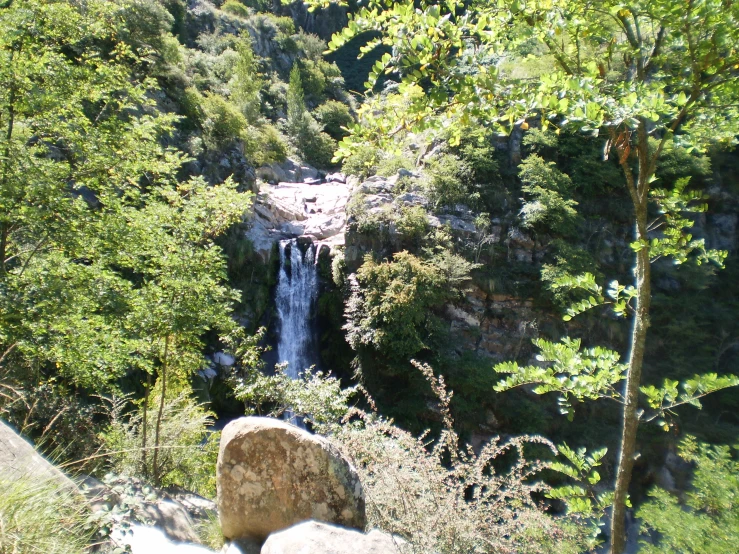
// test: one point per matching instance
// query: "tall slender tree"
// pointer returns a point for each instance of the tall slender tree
(643, 73)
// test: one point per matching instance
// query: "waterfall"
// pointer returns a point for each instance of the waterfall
(296, 293)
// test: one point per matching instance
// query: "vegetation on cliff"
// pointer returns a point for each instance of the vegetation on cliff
(554, 170)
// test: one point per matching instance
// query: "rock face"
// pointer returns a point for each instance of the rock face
(19, 460)
(170, 517)
(272, 475)
(312, 537)
(288, 171)
(289, 210)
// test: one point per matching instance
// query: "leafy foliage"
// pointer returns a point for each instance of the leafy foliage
(447, 181)
(574, 373)
(390, 310)
(437, 494)
(188, 448)
(314, 145)
(708, 519)
(547, 204)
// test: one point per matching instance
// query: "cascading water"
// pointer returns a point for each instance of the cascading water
(296, 291)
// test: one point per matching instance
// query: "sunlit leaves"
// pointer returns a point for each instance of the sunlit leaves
(580, 499)
(603, 72)
(672, 238)
(574, 373)
(669, 396)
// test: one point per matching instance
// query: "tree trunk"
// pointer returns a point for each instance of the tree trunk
(144, 424)
(155, 461)
(4, 231)
(5, 226)
(633, 379)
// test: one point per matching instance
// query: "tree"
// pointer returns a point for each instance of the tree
(297, 114)
(313, 144)
(70, 155)
(645, 74)
(107, 265)
(180, 291)
(246, 82)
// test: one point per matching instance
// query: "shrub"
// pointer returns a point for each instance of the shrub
(334, 116)
(235, 7)
(311, 45)
(265, 145)
(446, 185)
(284, 24)
(437, 494)
(708, 521)
(188, 450)
(246, 82)
(412, 223)
(362, 162)
(547, 205)
(390, 308)
(479, 153)
(318, 77)
(315, 146)
(389, 166)
(146, 22)
(222, 123)
(42, 517)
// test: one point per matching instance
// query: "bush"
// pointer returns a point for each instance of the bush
(390, 308)
(222, 124)
(188, 450)
(265, 145)
(334, 116)
(412, 223)
(315, 146)
(547, 206)
(235, 7)
(311, 45)
(42, 517)
(446, 185)
(438, 495)
(362, 162)
(246, 82)
(389, 166)
(318, 77)
(708, 521)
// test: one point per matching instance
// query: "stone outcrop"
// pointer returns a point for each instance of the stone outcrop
(289, 171)
(19, 460)
(312, 537)
(289, 210)
(272, 475)
(171, 517)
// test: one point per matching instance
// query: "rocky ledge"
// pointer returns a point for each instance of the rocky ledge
(290, 210)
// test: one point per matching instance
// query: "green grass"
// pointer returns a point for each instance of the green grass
(42, 517)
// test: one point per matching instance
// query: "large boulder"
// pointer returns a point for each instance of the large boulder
(20, 461)
(272, 475)
(311, 537)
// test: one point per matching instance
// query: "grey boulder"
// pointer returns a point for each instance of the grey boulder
(312, 537)
(272, 475)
